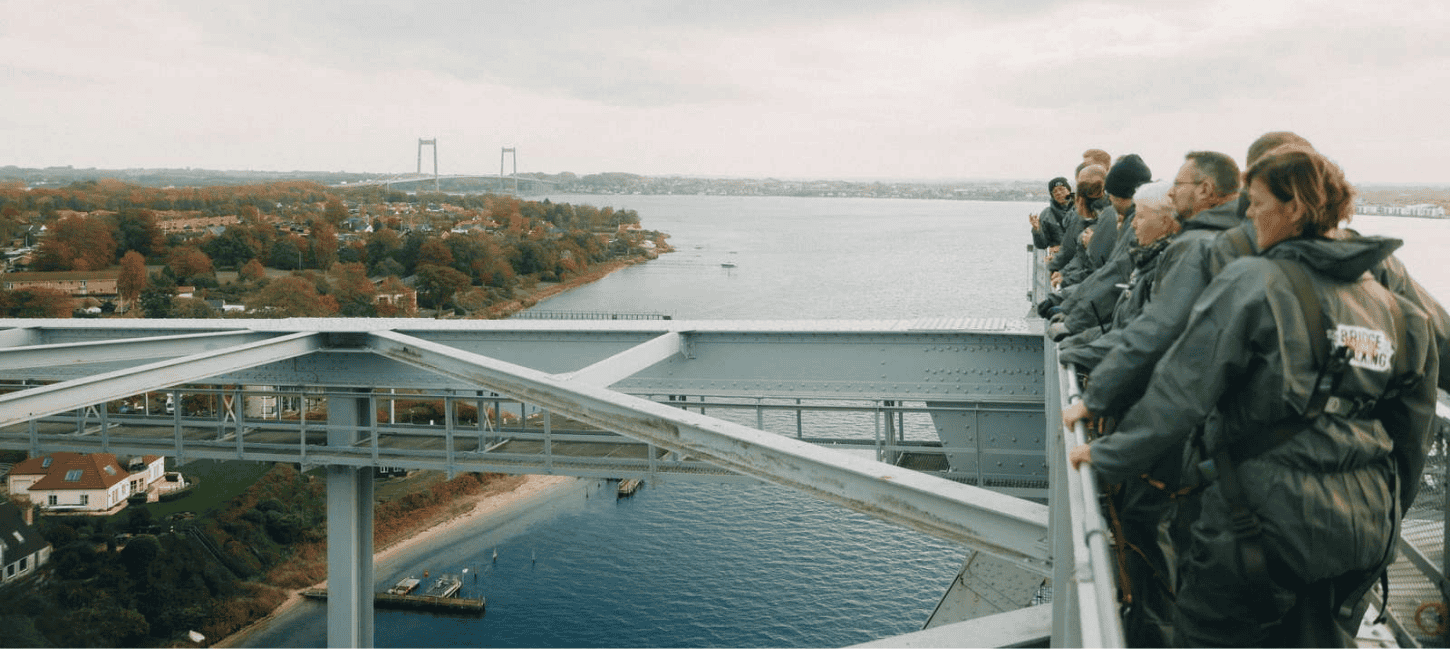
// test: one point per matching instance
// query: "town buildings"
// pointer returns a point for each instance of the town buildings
(1418, 210)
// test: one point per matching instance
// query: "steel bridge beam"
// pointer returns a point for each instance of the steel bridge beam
(1009, 528)
(18, 336)
(151, 347)
(56, 398)
(906, 360)
(629, 362)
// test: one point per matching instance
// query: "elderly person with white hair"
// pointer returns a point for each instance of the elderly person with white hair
(1154, 226)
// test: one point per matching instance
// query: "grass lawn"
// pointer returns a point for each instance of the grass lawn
(219, 481)
(416, 481)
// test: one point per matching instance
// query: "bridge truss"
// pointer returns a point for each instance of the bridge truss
(961, 401)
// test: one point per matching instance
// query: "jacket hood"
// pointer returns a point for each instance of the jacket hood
(1344, 260)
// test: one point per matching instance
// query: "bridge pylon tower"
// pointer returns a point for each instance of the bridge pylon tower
(507, 151)
(432, 142)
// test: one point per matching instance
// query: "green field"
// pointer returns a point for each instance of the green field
(218, 481)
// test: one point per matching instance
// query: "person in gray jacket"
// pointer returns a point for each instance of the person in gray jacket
(1047, 225)
(1314, 460)
(1204, 195)
(1089, 201)
(1154, 227)
(1091, 305)
(1391, 272)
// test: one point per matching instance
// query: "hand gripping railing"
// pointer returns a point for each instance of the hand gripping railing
(1084, 579)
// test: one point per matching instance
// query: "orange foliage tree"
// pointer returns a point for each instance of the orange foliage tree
(252, 270)
(291, 296)
(189, 262)
(132, 279)
(77, 244)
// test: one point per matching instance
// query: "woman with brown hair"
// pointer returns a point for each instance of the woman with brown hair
(1316, 389)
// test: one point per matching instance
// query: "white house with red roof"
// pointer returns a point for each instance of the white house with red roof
(69, 481)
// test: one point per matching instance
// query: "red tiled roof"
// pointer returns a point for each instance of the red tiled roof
(92, 468)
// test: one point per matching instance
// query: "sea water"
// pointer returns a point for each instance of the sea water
(684, 564)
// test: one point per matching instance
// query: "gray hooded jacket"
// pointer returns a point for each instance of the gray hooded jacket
(1186, 267)
(1326, 497)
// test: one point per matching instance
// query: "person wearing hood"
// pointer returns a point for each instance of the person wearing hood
(1314, 449)
(1047, 226)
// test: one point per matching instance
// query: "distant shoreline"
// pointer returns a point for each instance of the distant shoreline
(539, 294)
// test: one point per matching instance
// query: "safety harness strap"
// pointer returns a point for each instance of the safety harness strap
(1245, 525)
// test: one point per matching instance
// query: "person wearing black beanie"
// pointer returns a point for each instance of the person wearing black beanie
(1126, 175)
(1091, 305)
(1047, 226)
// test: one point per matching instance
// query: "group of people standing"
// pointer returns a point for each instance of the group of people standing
(1261, 381)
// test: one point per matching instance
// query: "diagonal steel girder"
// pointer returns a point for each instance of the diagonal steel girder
(1006, 527)
(149, 347)
(629, 362)
(41, 401)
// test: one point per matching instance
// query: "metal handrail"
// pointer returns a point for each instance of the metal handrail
(1096, 587)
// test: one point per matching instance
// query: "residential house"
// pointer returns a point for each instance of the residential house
(396, 294)
(69, 481)
(22, 549)
(76, 283)
(195, 223)
(225, 307)
(356, 224)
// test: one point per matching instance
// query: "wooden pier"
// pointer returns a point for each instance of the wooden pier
(628, 486)
(455, 605)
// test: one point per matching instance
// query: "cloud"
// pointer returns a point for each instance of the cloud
(849, 89)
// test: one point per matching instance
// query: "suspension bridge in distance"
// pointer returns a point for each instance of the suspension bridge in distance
(501, 182)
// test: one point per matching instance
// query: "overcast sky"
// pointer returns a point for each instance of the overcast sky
(1008, 89)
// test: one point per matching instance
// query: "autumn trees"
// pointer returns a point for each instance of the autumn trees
(460, 252)
(36, 302)
(77, 244)
(291, 296)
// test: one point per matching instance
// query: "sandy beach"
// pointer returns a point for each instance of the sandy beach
(486, 508)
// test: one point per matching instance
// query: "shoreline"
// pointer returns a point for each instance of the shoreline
(482, 510)
(540, 294)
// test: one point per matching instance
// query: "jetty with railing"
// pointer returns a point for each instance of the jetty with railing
(440, 596)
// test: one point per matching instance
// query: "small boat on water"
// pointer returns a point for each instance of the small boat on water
(727, 265)
(446, 586)
(404, 587)
(627, 487)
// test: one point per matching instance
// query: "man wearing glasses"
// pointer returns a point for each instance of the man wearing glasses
(1204, 194)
